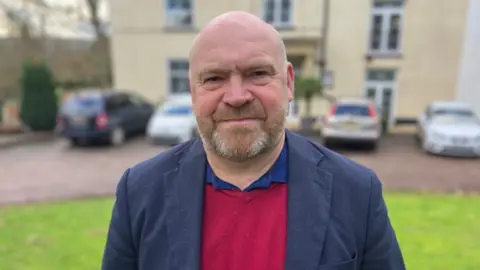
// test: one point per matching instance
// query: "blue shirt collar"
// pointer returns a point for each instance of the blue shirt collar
(277, 174)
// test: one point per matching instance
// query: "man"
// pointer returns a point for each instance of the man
(248, 194)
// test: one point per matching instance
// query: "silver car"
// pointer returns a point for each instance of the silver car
(449, 128)
(352, 120)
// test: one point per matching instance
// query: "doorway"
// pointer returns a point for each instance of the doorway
(380, 87)
(297, 62)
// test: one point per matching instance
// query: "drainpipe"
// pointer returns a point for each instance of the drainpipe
(323, 43)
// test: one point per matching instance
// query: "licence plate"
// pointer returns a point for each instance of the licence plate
(460, 141)
(351, 125)
(79, 120)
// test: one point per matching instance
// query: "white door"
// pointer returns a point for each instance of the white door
(380, 87)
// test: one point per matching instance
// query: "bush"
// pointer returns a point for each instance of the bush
(39, 103)
(306, 89)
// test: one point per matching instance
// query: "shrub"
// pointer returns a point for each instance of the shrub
(39, 102)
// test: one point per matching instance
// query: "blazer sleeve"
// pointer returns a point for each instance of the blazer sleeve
(119, 253)
(382, 251)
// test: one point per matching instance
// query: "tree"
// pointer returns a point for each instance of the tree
(31, 20)
(305, 89)
(39, 102)
(101, 48)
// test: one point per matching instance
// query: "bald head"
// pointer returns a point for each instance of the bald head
(237, 23)
(238, 71)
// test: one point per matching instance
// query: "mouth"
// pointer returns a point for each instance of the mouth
(241, 121)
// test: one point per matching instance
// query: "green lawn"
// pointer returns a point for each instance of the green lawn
(436, 232)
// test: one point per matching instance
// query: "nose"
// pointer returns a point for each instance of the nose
(236, 94)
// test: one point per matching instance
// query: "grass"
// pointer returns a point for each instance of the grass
(54, 236)
(435, 231)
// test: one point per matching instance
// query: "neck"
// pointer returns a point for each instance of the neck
(242, 174)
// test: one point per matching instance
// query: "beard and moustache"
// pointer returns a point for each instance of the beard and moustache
(241, 143)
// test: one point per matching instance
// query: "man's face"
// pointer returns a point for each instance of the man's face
(241, 86)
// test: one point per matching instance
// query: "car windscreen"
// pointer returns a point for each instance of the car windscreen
(455, 119)
(176, 110)
(83, 106)
(352, 109)
(453, 112)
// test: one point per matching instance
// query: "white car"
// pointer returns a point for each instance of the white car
(173, 122)
(449, 128)
(352, 120)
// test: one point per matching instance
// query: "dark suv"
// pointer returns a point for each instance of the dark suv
(109, 116)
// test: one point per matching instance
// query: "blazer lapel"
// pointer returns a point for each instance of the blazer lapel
(309, 195)
(184, 207)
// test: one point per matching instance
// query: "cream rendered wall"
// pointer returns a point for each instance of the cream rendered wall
(347, 47)
(431, 40)
(142, 45)
(468, 88)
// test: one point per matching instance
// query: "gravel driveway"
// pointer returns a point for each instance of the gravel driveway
(55, 171)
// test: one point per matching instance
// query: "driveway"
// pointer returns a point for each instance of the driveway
(402, 165)
(55, 171)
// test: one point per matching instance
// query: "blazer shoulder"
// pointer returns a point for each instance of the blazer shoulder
(345, 170)
(144, 174)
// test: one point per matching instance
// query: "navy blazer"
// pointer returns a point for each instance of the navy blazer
(337, 218)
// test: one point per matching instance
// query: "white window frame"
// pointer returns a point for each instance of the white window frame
(177, 12)
(277, 13)
(386, 13)
(379, 84)
(176, 73)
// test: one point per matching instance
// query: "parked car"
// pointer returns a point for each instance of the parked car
(111, 116)
(352, 120)
(449, 128)
(173, 122)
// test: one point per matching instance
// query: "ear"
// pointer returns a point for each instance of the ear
(290, 81)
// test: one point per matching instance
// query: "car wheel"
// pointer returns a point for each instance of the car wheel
(418, 138)
(117, 136)
(194, 133)
(424, 147)
(326, 143)
(374, 146)
(74, 142)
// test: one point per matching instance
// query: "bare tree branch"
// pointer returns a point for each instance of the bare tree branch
(95, 20)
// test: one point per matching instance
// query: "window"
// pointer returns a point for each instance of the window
(179, 83)
(351, 109)
(297, 63)
(278, 12)
(118, 102)
(137, 100)
(179, 110)
(381, 75)
(179, 13)
(386, 26)
(82, 105)
(453, 112)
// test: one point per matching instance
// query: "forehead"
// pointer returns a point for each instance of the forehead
(241, 49)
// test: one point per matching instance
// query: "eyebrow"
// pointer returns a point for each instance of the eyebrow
(262, 65)
(211, 70)
(214, 69)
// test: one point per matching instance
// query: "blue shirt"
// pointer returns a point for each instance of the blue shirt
(277, 174)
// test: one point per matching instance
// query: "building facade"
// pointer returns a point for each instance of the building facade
(404, 54)
(468, 88)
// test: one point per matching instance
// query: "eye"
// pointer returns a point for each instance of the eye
(212, 79)
(259, 73)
